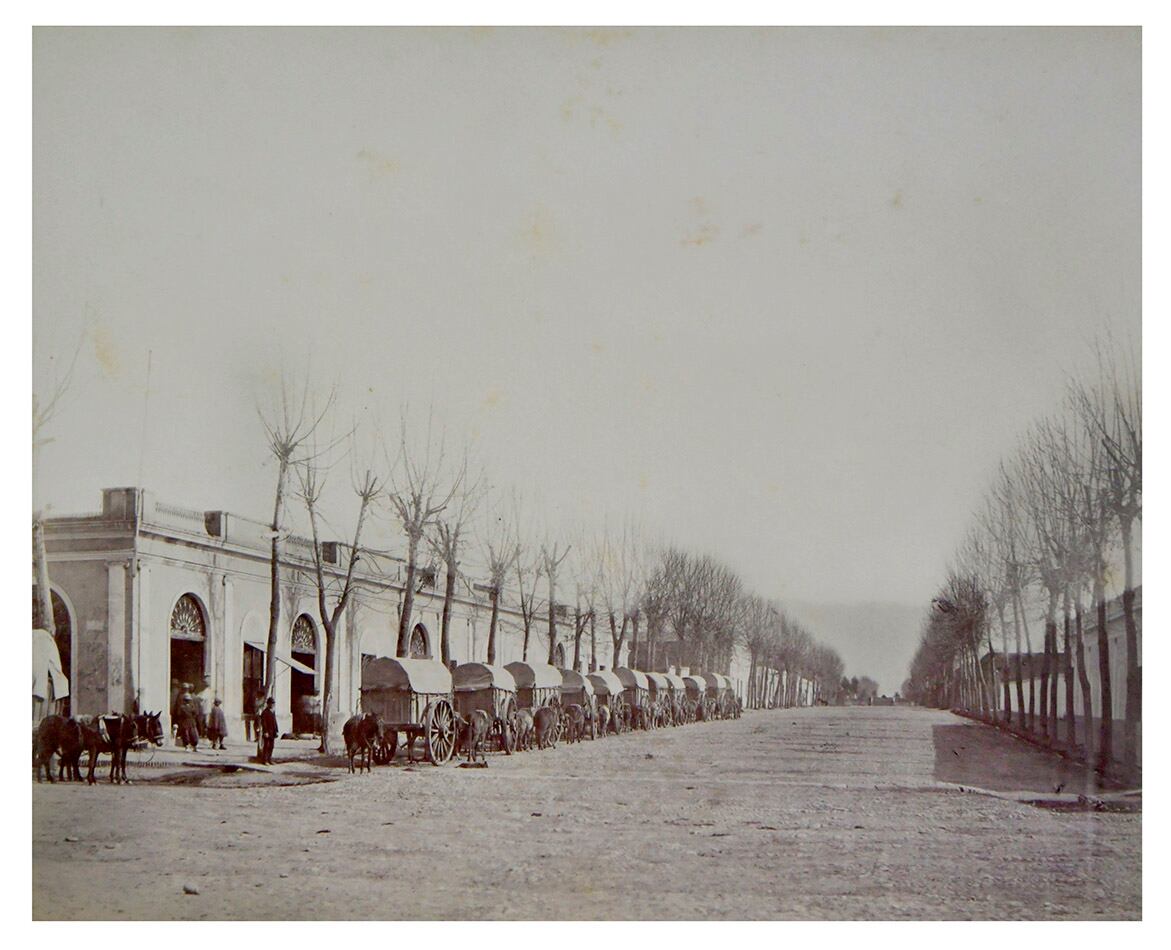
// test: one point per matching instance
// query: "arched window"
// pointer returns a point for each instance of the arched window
(304, 635)
(420, 649)
(559, 656)
(187, 620)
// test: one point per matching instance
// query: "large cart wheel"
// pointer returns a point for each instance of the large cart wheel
(439, 733)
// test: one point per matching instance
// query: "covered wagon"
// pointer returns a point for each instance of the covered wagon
(695, 687)
(661, 700)
(636, 692)
(492, 689)
(678, 693)
(576, 688)
(608, 691)
(413, 697)
(717, 693)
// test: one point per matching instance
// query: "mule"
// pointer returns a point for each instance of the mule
(361, 735)
(116, 734)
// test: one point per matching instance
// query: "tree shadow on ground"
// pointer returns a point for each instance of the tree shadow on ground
(976, 755)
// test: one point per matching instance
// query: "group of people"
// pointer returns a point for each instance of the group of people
(192, 720)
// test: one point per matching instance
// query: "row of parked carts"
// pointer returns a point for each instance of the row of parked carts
(422, 699)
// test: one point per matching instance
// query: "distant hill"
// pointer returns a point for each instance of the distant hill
(874, 639)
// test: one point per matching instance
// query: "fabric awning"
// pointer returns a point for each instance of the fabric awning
(287, 660)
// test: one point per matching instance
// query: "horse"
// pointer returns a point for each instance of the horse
(57, 735)
(361, 734)
(115, 734)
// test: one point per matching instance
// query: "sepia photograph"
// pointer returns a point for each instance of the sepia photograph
(623, 473)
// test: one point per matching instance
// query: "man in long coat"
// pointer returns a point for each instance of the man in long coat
(268, 731)
(217, 725)
(185, 720)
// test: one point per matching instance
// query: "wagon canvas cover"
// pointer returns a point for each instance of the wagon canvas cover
(416, 676)
(534, 675)
(470, 677)
(606, 683)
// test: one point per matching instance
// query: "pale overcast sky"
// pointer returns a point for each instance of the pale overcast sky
(784, 295)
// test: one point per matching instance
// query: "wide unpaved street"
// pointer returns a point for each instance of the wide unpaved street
(806, 813)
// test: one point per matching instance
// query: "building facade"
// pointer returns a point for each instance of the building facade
(151, 597)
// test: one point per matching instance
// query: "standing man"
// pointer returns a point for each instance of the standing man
(217, 725)
(268, 731)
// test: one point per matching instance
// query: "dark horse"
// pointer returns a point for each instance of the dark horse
(362, 734)
(56, 735)
(116, 734)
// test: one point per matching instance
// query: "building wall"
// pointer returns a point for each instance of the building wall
(121, 571)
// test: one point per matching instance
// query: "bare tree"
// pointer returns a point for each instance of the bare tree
(500, 549)
(418, 494)
(44, 412)
(289, 430)
(1110, 407)
(447, 539)
(366, 487)
(551, 561)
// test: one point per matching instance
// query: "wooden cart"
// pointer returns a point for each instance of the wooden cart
(492, 689)
(537, 684)
(717, 685)
(660, 689)
(636, 692)
(678, 692)
(413, 697)
(608, 690)
(696, 688)
(577, 688)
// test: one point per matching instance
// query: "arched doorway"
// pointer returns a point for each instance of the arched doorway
(559, 656)
(62, 636)
(304, 685)
(188, 643)
(420, 643)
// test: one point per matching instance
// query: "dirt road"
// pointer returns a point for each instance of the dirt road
(809, 813)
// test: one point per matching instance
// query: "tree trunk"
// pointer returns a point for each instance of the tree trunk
(404, 620)
(1084, 678)
(552, 621)
(1049, 635)
(494, 596)
(274, 576)
(1134, 683)
(1106, 722)
(634, 639)
(1067, 673)
(329, 686)
(445, 617)
(1019, 671)
(578, 629)
(1032, 720)
(593, 641)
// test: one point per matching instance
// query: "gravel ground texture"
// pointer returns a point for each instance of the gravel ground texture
(823, 813)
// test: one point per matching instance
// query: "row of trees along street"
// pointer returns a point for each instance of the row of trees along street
(1044, 546)
(623, 596)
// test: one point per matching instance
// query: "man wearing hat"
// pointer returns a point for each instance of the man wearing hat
(268, 729)
(185, 720)
(217, 724)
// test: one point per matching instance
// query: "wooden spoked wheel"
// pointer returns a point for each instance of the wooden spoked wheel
(439, 732)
